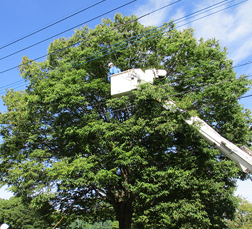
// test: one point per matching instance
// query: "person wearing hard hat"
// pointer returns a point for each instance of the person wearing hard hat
(4, 226)
(113, 70)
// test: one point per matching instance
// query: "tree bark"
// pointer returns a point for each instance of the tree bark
(124, 214)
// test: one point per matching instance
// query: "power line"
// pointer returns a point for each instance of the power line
(79, 42)
(160, 28)
(66, 30)
(215, 12)
(195, 89)
(21, 81)
(184, 18)
(17, 82)
(218, 4)
(144, 34)
(46, 27)
(155, 29)
(241, 65)
(205, 9)
(188, 91)
(99, 35)
(179, 93)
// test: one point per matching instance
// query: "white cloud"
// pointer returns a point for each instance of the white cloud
(231, 27)
(179, 13)
(156, 18)
(244, 189)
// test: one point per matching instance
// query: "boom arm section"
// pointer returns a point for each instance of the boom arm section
(125, 82)
(242, 158)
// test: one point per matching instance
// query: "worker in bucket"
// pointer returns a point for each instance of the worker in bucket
(113, 70)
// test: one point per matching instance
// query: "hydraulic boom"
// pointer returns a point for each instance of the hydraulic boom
(242, 157)
(125, 82)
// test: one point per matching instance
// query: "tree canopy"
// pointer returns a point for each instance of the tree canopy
(67, 142)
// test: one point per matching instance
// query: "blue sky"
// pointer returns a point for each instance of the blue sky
(232, 27)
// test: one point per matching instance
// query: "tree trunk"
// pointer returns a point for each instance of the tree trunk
(124, 214)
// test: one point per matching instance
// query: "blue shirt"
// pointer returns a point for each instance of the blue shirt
(113, 70)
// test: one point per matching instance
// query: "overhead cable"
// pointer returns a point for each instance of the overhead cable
(86, 39)
(179, 20)
(241, 65)
(155, 31)
(48, 26)
(66, 30)
(137, 37)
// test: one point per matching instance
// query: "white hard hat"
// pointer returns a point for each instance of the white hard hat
(4, 226)
(110, 64)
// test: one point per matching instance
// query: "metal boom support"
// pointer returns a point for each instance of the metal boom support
(242, 158)
(124, 83)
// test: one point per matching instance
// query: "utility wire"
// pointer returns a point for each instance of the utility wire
(79, 42)
(184, 92)
(160, 28)
(179, 19)
(184, 18)
(66, 30)
(139, 36)
(162, 31)
(25, 84)
(176, 94)
(241, 65)
(147, 14)
(21, 83)
(48, 26)
(154, 30)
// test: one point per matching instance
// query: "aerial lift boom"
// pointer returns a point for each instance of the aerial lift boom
(125, 82)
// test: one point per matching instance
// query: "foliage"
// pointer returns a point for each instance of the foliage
(68, 143)
(243, 215)
(106, 225)
(18, 215)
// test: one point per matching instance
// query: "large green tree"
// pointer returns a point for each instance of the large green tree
(67, 142)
